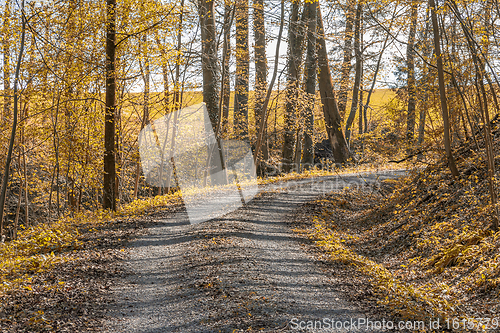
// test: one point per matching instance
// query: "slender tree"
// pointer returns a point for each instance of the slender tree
(5, 180)
(424, 99)
(263, 121)
(442, 90)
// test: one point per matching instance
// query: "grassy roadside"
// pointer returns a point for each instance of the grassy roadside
(426, 247)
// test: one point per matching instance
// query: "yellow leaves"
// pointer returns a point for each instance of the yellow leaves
(36, 250)
(403, 298)
(38, 318)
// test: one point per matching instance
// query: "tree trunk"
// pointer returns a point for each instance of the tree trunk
(6, 60)
(226, 85)
(164, 69)
(177, 88)
(423, 112)
(374, 81)
(310, 86)
(294, 60)
(442, 91)
(360, 107)
(357, 79)
(412, 90)
(242, 71)
(5, 181)
(209, 60)
(146, 77)
(330, 109)
(210, 83)
(109, 200)
(260, 71)
(263, 122)
(346, 64)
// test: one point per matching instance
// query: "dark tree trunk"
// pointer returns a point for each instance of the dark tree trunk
(109, 200)
(210, 85)
(226, 86)
(330, 108)
(360, 107)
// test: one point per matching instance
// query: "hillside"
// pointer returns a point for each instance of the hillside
(427, 246)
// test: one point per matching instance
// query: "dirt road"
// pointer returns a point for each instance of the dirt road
(245, 271)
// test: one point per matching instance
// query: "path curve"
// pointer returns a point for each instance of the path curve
(245, 271)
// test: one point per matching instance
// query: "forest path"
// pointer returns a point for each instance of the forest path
(245, 271)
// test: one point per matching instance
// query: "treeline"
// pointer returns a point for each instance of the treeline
(82, 78)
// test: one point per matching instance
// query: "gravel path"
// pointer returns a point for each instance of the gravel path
(245, 271)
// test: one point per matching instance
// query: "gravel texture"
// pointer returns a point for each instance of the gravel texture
(246, 271)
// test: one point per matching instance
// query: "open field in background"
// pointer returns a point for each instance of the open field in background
(376, 113)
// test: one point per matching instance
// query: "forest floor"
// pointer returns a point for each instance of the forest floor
(247, 271)
(377, 248)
